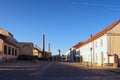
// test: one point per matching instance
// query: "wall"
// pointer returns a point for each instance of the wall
(1, 43)
(35, 52)
(101, 50)
(12, 55)
(26, 48)
(1, 48)
(114, 40)
(95, 52)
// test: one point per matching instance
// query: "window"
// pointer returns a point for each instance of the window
(12, 51)
(9, 50)
(96, 57)
(96, 44)
(101, 42)
(5, 49)
(15, 52)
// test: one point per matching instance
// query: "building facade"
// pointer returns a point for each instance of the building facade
(37, 52)
(9, 48)
(26, 48)
(71, 55)
(101, 48)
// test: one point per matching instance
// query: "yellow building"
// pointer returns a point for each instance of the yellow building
(37, 52)
(9, 48)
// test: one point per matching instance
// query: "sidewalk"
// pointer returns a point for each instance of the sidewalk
(107, 68)
(96, 66)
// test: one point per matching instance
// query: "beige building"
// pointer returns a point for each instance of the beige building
(26, 48)
(37, 52)
(9, 48)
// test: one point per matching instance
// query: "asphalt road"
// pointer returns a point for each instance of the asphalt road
(52, 71)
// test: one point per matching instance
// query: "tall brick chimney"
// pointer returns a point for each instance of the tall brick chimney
(49, 47)
(43, 44)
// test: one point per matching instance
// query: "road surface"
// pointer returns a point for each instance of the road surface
(52, 71)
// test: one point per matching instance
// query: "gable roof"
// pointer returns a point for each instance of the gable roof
(101, 33)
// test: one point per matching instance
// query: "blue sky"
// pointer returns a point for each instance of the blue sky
(64, 22)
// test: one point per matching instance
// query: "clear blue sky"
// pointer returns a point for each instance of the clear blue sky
(64, 22)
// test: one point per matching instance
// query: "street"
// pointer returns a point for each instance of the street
(52, 71)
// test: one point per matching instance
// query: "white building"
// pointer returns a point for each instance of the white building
(98, 48)
(71, 55)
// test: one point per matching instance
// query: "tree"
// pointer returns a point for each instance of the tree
(59, 54)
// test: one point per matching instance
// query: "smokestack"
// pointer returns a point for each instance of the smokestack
(43, 43)
(49, 47)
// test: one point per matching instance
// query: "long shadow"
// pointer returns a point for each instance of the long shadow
(70, 69)
(18, 71)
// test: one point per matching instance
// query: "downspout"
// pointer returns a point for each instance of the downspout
(93, 52)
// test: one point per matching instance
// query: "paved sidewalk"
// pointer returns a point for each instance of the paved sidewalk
(117, 70)
(107, 68)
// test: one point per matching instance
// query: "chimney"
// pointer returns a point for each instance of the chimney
(43, 43)
(91, 36)
(49, 47)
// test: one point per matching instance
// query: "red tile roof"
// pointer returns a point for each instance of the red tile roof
(101, 33)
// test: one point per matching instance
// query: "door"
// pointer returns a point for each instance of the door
(0, 56)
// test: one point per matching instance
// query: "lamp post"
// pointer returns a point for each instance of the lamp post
(91, 55)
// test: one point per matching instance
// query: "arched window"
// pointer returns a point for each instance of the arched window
(9, 50)
(15, 52)
(5, 49)
(12, 51)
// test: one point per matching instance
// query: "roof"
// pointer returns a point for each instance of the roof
(5, 32)
(9, 39)
(78, 45)
(37, 49)
(2, 36)
(101, 33)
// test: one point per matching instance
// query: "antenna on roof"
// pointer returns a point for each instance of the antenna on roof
(91, 36)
